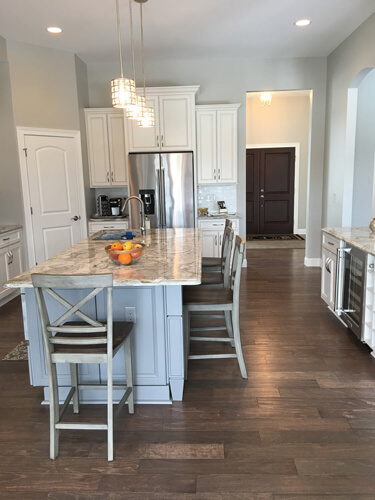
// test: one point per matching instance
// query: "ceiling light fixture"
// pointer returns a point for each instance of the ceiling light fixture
(302, 22)
(123, 89)
(146, 117)
(135, 111)
(54, 29)
(265, 99)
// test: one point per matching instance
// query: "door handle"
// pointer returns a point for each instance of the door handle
(162, 141)
(108, 177)
(76, 217)
(262, 190)
(157, 141)
(216, 241)
(11, 257)
(112, 177)
(8, 255)
(163, 193)
(328, 264)
(262, 195)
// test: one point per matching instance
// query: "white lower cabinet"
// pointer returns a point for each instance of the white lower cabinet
(94, 227)
(330, 245)
(212, 235)
(10, 260)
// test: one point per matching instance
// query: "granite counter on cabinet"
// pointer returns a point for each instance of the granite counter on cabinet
(360, 237)
(7, 228)
(152, 286)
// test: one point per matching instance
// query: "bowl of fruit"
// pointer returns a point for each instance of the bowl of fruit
(125, 253)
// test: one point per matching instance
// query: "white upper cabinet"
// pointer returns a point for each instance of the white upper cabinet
(174, 129)
(217, 143)
(106, 147)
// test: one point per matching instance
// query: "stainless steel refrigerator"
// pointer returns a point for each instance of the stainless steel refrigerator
(165, 183)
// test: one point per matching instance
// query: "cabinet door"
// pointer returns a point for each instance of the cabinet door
(97, 139)
(176, 115)
(4, 271)
(144, 139)
(210, 243)
(16, 260)
(117, 150)
(326, 275)
(206, 146)
(227, 146)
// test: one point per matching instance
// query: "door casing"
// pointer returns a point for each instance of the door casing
(76, 136)
(296, 145)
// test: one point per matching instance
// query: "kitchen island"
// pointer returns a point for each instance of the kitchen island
(152, 286)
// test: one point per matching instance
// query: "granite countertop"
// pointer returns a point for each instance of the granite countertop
(360, 237)
(171, 257)
(219, 216)
(6, 229)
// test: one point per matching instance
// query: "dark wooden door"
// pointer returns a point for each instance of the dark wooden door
(270, 190)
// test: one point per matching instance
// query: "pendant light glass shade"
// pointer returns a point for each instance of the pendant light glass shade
(123, 93)
(134, 112)
(147, 118)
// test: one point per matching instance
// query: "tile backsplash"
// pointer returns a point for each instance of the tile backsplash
(209, 195)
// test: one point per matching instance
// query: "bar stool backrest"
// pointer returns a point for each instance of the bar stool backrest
(228, 223)
(74, 334)
(235, 278)
(227, 254)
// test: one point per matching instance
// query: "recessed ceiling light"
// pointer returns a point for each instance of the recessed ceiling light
(54, 29)
(302, 22)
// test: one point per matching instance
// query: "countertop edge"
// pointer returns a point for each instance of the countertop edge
(360, 237)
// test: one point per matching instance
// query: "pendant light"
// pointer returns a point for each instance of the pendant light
(146, 117)
(123, 89)
(133, 112)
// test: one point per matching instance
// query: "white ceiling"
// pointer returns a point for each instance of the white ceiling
(187, 28)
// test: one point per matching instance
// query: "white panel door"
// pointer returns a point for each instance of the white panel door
(226, 146)
(144, 139)
(54, 194)
(175, 122)
(117, 150)
(206, 146)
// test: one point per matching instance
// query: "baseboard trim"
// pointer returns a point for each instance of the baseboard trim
(300, 231)
(312, 262)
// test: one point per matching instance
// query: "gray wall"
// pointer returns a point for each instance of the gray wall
(354, 54)
(364, 153)
(11, 205)
(83, 102)
(227, 81)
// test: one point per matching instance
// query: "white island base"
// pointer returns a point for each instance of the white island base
(157, 344)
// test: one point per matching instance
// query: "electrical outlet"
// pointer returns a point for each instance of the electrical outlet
(130, 314)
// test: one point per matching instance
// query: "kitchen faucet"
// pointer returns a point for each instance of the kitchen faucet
(142, 212)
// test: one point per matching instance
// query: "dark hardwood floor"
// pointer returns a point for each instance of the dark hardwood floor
(301, 427)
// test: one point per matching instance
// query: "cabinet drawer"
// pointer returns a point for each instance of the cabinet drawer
(217, 224)
(98, 226)
(331, 242)
(9, 238)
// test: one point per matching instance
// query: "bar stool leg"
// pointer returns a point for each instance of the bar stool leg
(74, 382)
(237, 342)
(54, 410)
(228, 324)
(186, 330)
(110, 410)
(129, 373)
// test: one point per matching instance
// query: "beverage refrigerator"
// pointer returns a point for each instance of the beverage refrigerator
(165, 183)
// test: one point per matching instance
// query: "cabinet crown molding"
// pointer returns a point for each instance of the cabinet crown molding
(203, 107)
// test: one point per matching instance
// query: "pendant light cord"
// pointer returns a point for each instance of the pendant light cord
(119, 37)
(143, 53)
(132, 37)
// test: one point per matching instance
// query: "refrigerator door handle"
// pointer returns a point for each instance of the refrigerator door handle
(164, 218)
(160, 219)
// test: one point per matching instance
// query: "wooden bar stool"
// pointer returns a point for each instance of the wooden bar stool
(210, 299)
(215, 263)
(86, 341)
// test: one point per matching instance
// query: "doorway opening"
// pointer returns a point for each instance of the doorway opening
(277, 161)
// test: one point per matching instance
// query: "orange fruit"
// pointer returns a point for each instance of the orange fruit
(128, 245)
(125, 258)
(116, 246)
